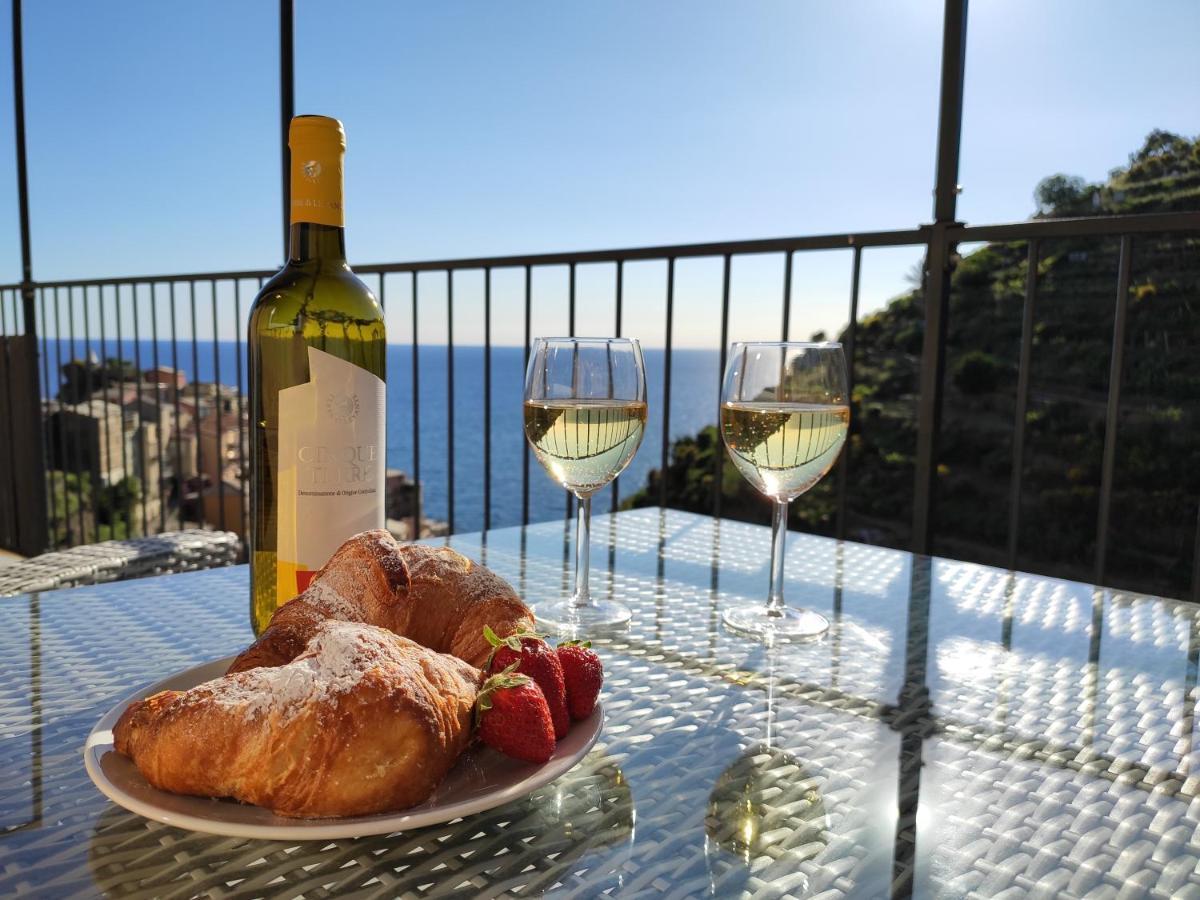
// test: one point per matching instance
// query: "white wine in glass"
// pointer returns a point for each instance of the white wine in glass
(585, 416)
(583, 444)
(784, 419)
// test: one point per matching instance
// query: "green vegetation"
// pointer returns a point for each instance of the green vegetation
(1157, 473)
(79, 511)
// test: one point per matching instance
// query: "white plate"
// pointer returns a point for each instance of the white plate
(482, 779)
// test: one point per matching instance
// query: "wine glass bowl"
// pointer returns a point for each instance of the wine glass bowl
(585, 416)
(784, 417)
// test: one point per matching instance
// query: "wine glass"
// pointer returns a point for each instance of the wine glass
(585, 415)
(784, 417)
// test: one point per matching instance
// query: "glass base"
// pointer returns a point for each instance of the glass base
(789, 624)
(563, 617)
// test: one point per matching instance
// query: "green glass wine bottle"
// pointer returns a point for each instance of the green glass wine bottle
(317, 352)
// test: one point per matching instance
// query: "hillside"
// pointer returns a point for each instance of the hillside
(1157, 484)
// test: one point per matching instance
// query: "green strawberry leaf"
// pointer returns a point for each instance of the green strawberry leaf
(499, 681)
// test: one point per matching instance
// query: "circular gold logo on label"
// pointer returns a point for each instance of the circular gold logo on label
(312, 170)
(342, 407)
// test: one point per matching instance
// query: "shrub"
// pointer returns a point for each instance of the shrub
(976, 372)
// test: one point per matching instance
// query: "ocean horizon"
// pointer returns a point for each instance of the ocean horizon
(694, 403)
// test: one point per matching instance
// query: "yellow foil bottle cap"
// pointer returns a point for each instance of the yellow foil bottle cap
(318, 145)
(307, 130)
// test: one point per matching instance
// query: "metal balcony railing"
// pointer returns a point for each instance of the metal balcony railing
(90, 304)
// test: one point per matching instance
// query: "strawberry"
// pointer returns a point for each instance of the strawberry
(535, 658)
(583, 673)
(513, 717)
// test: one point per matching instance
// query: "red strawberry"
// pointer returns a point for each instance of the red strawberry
(535, 658)
(584, 673)
(513, 717)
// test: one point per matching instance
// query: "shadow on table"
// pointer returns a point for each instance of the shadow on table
(578, 830)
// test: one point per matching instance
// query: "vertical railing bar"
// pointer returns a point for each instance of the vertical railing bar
(121, 404)
(571, 333)
(939, 266)
(15, 335)
(178, 430)
(787, 295)
(87, 340)
(141, 426)
(158, 413)
(718, 451)
(287, 106)
(36, 543)
(450, 400)
(843, 473)
(666, 426)
(571, 301)
(616, 485)
(1022, 401)
(76, 464)
(241, 394)
(62, 440)
(525, 443)
(196, 415)
(1114, 407)
(7, 383)
(46, 427)
(219, 448)
(487, 399)
(19, 330)
(416, 417)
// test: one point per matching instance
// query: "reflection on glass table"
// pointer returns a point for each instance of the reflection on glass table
(960, 730)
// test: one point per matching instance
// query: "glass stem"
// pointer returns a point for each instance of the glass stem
(583, 543)
(778, 535)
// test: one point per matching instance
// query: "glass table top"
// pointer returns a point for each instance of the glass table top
(961, 731)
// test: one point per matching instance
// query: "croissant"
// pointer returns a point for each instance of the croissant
(362, 721)
(434, 596)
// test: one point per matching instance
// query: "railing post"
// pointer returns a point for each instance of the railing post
(1113, 408)
(287, 106)
(938, 268)
(29, 459)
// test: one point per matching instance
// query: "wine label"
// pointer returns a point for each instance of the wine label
(331, 466)
(317, 186)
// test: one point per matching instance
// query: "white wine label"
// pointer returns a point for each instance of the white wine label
(331, 466)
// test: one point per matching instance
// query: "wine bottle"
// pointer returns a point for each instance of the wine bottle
(317, 356)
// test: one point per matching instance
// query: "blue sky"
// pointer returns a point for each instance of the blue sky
(500, 128)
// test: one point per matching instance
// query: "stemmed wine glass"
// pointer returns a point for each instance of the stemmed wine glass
(585, 414)
(784, 418)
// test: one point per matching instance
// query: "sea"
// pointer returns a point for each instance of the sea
(695, 383)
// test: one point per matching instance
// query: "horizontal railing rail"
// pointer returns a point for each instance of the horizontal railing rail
(192, 297)
(1086, 226)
